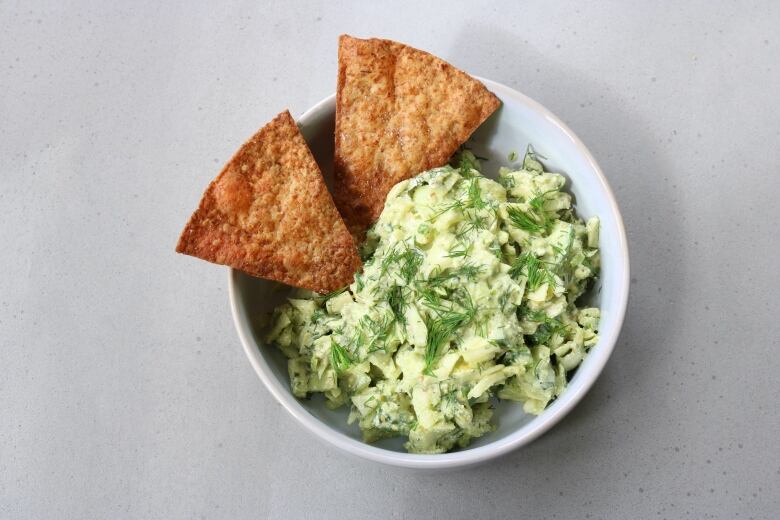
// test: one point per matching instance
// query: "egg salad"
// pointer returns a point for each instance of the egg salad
(468, 294)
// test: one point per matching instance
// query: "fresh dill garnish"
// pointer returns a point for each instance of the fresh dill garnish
(563, 253)
(474, 195)
(477, 221)
(467, 164)
(431, 298)
(467, 172)
(482, 329)
(472, 199)
(397, 302)
(439, 288)
(457, 204)
(533, 269)
(527, 314)
(332, 294)
(450, 397)
(354, 340)
(469, 271)
(536, 219)
(439, 333)
(390, 258)
(376, 331)
(531, 162)
(317, 315)
(408, 260)
(506, 181)
(547, 330)
(444, 324)
(524, 220)
(474, 222)
(537, 202)
(548, 327)
(411, 260)
(536, 369)
(463, 298)
(440, 276)
(503, 299)
(517, 353)
(460, 253)
(339, 358)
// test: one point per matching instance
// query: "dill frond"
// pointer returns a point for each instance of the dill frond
(534, 270)
(339, 358)
(397, 303)
(524, 220)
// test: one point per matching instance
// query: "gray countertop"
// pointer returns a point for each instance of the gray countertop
(125, 392)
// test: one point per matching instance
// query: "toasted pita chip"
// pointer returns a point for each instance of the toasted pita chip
(399, 111)
(269, 213)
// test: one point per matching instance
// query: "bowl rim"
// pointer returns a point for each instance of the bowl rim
(493, 449)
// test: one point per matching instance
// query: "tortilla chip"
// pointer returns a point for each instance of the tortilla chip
(399, 111)
(269, 213)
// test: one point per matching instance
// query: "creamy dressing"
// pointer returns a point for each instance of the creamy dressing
(468, 293)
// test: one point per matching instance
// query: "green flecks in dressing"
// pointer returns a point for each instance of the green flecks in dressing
(468, 291)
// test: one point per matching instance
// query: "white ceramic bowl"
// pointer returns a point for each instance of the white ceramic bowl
(518, 122)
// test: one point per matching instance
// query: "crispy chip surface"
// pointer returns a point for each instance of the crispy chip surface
(399, 111)
(269, 213)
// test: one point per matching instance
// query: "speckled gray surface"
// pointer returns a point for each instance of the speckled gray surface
(124, 390)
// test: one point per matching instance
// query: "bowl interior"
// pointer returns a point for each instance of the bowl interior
(518, 123)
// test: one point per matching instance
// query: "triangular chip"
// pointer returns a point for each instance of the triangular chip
(399, 111)
(269, 213)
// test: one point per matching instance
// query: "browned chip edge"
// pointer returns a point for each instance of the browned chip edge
(348, 259)
(359, 217)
